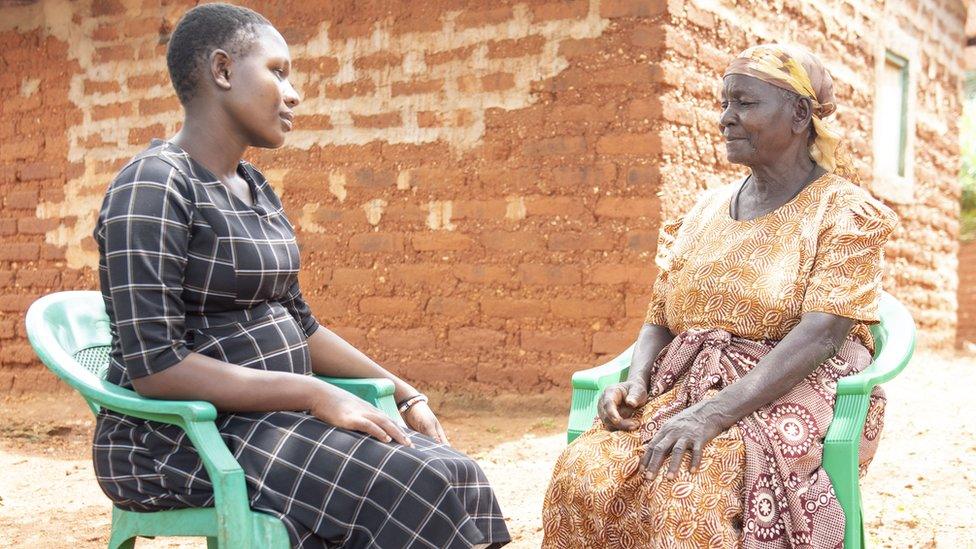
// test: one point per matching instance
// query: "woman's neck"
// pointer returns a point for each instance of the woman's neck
(208, 140)
(784, 178)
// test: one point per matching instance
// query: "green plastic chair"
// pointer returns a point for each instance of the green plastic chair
(894, 339)
(70, 333)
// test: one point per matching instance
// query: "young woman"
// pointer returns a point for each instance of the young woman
(199, 271)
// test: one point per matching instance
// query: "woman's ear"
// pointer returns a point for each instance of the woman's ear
(220, 68)
(802, 115)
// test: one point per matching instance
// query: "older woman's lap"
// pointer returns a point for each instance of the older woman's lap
(597, 498)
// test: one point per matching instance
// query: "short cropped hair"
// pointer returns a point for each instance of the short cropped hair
(199, 32)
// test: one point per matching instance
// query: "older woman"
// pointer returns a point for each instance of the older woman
(199, 271)
(764, 291)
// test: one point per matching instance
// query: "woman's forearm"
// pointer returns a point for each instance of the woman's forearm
(650, 341)
(334, 356)
(815, 339)
(231, 388)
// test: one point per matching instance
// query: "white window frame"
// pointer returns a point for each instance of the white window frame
(893, 187)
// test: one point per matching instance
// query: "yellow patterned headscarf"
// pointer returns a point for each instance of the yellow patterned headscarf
(794, 68)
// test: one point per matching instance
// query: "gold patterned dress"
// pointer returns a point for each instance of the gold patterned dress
(731, 290)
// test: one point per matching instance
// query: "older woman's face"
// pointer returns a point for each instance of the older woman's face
(757, 120)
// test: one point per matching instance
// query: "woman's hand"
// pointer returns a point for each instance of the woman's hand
(421, 418)
(337, 407)
(689, 431)
(618, 403)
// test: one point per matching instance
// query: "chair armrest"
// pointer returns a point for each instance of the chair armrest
(130, 403)
(601, 377)
(376, 391)
(588, 385)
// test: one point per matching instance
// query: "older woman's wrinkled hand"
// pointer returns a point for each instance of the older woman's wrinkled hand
(618, 404)
(689, 431)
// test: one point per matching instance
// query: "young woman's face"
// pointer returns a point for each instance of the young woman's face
(757, 121)
(260, 97)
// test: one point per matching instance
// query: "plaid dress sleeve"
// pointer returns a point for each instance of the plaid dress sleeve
(143, 231)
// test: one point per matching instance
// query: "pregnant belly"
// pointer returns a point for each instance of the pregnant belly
(273, 342)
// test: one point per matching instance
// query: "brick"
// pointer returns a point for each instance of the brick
(114, 110)
(648, 37)
(363, 86)
(483, 274)
(39, 171)
(498, 81)
(158, 105)
(647, 144)
(8, 328)
(317, 67)
(313, 122)
(122, 52)
(582, 308)
(571, 242)
(437, 373)
(555, 146)
(106, 7)
(479, 209)
(563, 341)
(550, 275)
(16, 303)
(612, 343)
(503, 307)
(147, 80)
(570, 9)
(505, 241)
(8, 227)
(38, 278)
(699, 17)
(34, 226)
(577, 47)
(371, 179)
(349, 276)
(105, 33)
(376, 243)
(416, 338)
(454, 307)
(447, 56)
(642, 176)
(377, 60)
(595, 175)
(632, 8)
(422, 274)
(613, 274)
(385, 120)
(141, 136)
(415, 87)
(635, 306)
(440, 241)
(623, 208)
(17, 353)
(387, 305)
(642, 241)
(417, 24)
(566, 206)
(515, 47)
(645, 108)
(101, 86)
(468, 19)
(475, 338)
(20, 200)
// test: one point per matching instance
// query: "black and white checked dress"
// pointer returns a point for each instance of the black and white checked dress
(186, 266)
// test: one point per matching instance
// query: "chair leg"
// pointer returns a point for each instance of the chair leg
(212, 543)
(115, 542)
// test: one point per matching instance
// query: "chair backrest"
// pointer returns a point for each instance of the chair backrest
(70, 333)
(894, 338)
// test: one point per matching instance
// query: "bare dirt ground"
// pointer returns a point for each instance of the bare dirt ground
(920, 491)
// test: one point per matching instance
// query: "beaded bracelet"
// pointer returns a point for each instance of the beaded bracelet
(406, 404)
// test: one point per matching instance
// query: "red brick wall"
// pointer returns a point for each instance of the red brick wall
(967, 293)
(477, 189)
